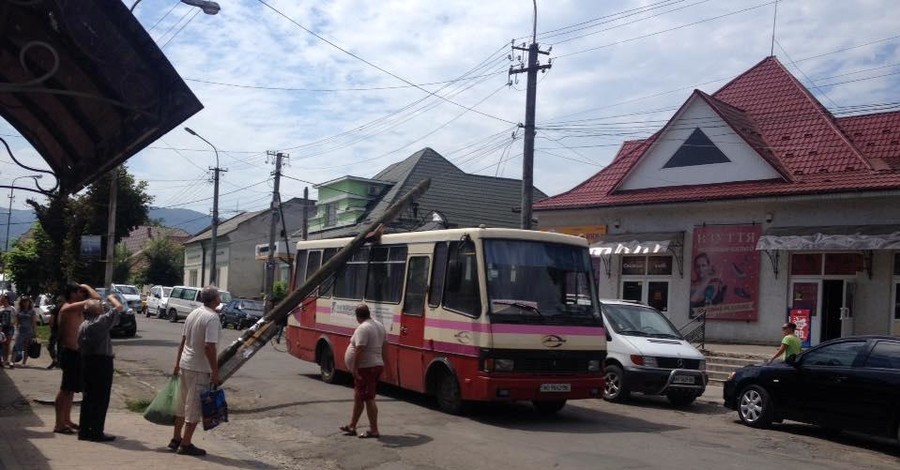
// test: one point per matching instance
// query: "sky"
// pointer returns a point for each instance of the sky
(347, 87)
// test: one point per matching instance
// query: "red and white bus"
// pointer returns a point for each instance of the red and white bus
(471, 314)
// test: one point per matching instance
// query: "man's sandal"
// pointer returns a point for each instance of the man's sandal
(348, 430)
(369, 435)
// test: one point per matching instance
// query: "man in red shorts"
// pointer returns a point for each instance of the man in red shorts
(365, 361)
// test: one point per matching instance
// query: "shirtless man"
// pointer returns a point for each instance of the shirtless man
(71, 315)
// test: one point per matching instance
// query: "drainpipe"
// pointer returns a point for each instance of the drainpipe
(202, 265)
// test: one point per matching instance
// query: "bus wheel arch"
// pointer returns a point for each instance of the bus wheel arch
(441, 382)
(325, 358)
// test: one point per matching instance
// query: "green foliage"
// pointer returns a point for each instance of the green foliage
(165, 264)
(279, 291)
(28, 265)
(121, 265)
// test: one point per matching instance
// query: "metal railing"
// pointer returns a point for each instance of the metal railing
(694, 331)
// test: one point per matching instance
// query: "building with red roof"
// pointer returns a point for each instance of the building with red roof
(750, 206)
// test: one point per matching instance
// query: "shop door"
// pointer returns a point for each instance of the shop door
(848, 310)
(806, 294)
(832, 308)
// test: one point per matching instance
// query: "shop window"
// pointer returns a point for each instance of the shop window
(633, 291)
(844, 263)
(645, 279)
(658, 295)
(806, 264)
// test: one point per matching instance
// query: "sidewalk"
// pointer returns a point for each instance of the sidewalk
(27, 440)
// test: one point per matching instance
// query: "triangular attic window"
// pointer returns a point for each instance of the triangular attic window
(696, 150)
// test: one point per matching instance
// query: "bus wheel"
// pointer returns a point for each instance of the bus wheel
(548, 407)
(449, 398)
(326, 366)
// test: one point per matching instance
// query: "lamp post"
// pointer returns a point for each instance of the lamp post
(210, 8)
(9, 212)
(215, 214)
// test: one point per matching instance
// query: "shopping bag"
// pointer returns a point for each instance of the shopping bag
(214, 408)
(34, 349)
(162, 408)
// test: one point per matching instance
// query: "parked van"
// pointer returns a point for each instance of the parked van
(184, 299)
(647, 354)
(156, 301)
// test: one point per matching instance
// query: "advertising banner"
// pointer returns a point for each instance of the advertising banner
(801, 318)
(725, 272)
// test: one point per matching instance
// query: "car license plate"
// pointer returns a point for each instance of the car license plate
(683, 379)
(556, 387)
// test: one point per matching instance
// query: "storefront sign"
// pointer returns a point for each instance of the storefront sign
(725, 272)
(593, 233)
(801, 318)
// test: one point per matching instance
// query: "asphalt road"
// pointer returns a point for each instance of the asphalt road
(281, 411)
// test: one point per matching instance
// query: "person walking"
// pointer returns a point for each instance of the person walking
(365, 360)
(197, 367)
(26, 327)
(790, 343)
(96, 367)
(7, 328)
(69, 320)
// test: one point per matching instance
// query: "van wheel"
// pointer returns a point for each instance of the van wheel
(326, 366)
(615, 390)
(449, 398)
(548, 407)
(173, 315)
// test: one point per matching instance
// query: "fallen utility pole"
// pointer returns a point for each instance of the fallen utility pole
(255, 337)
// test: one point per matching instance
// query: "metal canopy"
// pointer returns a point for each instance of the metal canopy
(842, 237)
(640, 244)
(85, 84)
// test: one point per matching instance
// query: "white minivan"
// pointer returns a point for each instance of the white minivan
(156, 301)
(646, 354)
(184, 299)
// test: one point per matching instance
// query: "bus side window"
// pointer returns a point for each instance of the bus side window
(461, 290)
(299, 269)
(438, 274)
(350, 282)
(416, 283)
(385, 279)
(329, 286)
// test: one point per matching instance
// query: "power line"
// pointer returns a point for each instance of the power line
(337, 90)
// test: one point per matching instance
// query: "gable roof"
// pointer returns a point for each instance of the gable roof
(465, 200)
(225, 227)
(138, 238)
(787, 126)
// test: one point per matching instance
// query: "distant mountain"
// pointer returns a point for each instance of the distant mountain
(185, 219)
(19, 221)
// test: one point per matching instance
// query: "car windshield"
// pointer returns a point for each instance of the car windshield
(639, 320)
(252, 305)
(128, 290)
(539, 282)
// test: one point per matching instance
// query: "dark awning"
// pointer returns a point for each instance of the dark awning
(86, 85)
(637, 243)
(840, 237)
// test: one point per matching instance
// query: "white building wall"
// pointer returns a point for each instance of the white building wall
(874, 296)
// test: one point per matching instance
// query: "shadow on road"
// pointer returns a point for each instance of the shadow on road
(661, 403)
(863, 441)
(405, 440)
(284, 405)
(138, 341)
(572, 419)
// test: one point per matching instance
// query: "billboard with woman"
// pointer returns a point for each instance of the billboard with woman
(725, 272)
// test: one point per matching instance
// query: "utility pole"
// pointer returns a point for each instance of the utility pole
(111, 227)
(306, 212)
(276, 214)
(530, 97)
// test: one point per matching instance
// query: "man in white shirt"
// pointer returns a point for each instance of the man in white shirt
(198, 366)
(364, 358)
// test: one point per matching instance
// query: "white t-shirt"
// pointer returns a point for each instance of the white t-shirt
(201, 326)
(369, 334)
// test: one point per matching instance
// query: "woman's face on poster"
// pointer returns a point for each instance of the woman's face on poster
(702, 266)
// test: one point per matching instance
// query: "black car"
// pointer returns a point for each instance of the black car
(241, 313)
(849, 383)
(127, 325)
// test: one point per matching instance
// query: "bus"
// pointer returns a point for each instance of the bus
(477, 314)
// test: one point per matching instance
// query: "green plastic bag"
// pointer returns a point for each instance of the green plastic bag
(162, 408)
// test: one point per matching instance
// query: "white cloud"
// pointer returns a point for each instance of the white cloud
(249, 44)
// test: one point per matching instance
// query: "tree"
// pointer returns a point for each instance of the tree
(121, 265)
(28, 264)
(165, 263)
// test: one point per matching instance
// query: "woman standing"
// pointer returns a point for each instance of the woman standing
(26, 324)
(7, 326)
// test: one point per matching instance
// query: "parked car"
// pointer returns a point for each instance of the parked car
(44, 305)
(127, 325)
(184, 299)
(645, 353)
(131, 294)
(850, 383)
(241, 313)
(156, 300)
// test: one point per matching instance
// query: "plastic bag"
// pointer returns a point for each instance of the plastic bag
(162, 408)
(34, 349)
(214, 407)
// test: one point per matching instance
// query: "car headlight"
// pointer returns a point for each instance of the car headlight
(594, 365)
(731, 375)
(504, 365)
(129, 312)
(646, 361)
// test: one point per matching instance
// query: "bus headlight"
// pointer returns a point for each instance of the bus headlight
(594, 365)
(504, 365)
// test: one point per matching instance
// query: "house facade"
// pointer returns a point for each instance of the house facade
(238, 270)
(752, 206)
(137, 241)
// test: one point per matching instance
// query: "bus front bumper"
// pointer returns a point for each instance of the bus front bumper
(488, 388)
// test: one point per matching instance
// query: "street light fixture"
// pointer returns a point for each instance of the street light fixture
(210, 8)
(9, 212)
(215, 214)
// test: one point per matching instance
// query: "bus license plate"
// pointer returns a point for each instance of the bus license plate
(556, 387)
(683, 379)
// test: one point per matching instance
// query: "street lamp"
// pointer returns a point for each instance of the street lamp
(9, 212)
(210, 8)
(215, 214)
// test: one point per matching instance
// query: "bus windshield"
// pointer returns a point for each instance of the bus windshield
(539, 282)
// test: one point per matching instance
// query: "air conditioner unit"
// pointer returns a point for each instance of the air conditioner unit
(262, 251)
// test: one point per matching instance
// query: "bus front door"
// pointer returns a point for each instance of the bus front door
(410, 354)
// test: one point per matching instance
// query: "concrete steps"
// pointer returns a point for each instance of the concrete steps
(720, 364)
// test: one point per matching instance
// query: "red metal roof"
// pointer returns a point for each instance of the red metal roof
(786, 125)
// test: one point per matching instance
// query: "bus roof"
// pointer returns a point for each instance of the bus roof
(453, 235)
